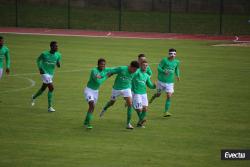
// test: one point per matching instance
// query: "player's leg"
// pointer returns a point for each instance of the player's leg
(169, 91)
(129, 112)
(46, 80)
(50, 97)
(144, 103)
(127, 94)
(137, 105)
(1, 73)
(144, 109)
(160, 87)
(38, 93)
(89, 115)
(91, 97)
(111, 102)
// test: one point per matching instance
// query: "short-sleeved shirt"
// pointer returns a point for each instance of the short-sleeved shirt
(47, 62)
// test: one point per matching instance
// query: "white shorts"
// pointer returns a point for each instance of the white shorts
(123, 93)
(167, 87)
(140, 100)
(47, 78)
(91, 95)
(1, 72)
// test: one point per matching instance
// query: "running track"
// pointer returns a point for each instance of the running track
(119, 34)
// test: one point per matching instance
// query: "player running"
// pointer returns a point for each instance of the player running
(46, 63)
(97, 76)
(140, 99)
(167, 69)
(122, 87)
(4, 53)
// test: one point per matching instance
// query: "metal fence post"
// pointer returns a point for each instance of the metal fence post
(69, 14)
(120, 15)
(221, 14)
(16, 13)
(187, 6)
(152, 5)
(170, 16)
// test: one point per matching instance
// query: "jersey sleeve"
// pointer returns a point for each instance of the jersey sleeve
(94, 77)
(177, 70)
(116, 70)
(161, 65)
(150, 84)
(59, 58)
(149, 71)
(7, 58)
(38, 61)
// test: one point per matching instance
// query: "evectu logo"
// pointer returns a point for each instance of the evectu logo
(235, 154)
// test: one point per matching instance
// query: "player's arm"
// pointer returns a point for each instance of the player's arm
(115, 70)
(110, 71)
(58, 62)
(7, 59)
(150, 84)
(161, 65)
(97, 78)
(177, 72)
(39, 64)
(149, 71)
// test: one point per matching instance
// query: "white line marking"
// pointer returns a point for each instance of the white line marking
(67, 71)
(90, 36)
(32, 84)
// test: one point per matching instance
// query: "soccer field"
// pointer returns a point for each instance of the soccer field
(211, 109)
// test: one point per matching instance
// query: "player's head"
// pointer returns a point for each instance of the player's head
(171, 53)
(101, 63)
(141, 57)
(53, 46)
(144, 65)
(1, 41)
(134, 65)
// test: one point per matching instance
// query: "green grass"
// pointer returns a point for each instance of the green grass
(108, 19)
(211, 107)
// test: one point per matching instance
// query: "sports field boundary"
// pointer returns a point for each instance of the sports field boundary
(119, 34)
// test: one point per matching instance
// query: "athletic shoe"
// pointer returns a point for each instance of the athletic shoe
(102, 113)
(143, 122)
(167, 114)
(129, 126)
(51, 109)
(88, 126)
(140, 125)
(32, 100)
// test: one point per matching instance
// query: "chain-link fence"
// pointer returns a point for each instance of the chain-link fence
(171, 16)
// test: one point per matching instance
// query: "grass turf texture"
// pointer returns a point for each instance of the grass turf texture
(210, 107)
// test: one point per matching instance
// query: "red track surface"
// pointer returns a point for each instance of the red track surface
(118, 34)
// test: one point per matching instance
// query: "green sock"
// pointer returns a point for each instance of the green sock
(139, 114)
(50, 96)
(88, 118)
(38, 93)
(108, 104)
(129, 114)
(143, 115)
(167, 105)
